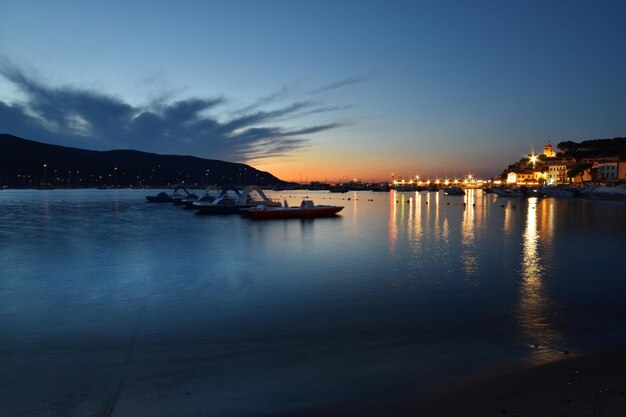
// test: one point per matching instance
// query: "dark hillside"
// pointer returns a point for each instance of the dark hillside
(22, 165)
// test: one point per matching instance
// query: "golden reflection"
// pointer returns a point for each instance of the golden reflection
(468, 244)
(534, 307)
(508, 219)
(415, 224)
(445, 232)
(393, 228)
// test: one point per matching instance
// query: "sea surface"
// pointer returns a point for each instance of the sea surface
(112, 306)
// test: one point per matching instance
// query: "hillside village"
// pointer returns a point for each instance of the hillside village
(594, 161)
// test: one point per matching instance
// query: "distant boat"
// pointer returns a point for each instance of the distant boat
(306, 209)
(206, 198)
(454, 191)
(608, 193)
(169, 198)
(557, 192)
(338, 189)
(379, 188)
(225, 204)
(508, 192)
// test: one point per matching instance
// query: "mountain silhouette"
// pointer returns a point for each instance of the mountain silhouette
(26, 163)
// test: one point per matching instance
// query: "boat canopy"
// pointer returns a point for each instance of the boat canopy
(244, 197)
(307, 204)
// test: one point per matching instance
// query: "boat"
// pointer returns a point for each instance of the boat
(206, 198)
(306, 209)
(186, 200)
(608, 193)
(508, 192)
(169, 198)
(454, 191)
(338, 189)
(159, 198)
(226, 204)
(557, 192)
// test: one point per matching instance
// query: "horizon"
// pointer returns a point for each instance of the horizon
(349, 91)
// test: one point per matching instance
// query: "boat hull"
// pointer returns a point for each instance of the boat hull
(291, 213)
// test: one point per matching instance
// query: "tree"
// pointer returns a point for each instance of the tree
(578, 169)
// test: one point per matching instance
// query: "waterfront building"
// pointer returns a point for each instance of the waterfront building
(599, 159)
(608, 171)
(621, 170)
(557, 174)
(520, 177)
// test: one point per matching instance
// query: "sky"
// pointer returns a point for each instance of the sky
(323, 90)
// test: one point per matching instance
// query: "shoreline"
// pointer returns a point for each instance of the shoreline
(580, 385)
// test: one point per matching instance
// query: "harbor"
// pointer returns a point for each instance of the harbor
(190, 314)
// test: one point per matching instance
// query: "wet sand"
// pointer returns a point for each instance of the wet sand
(586, 385)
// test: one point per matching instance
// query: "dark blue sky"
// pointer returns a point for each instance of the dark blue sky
(318, 89)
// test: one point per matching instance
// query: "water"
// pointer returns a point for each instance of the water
(113, 306)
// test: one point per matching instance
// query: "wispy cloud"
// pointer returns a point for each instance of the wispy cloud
(341, 83)
(262, 101)
(78, 117)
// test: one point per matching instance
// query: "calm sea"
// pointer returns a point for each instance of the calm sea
(110, 305)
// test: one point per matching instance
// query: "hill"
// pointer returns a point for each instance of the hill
(27, 163)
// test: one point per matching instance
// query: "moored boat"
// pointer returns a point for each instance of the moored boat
(169, 198)
(306, 209)
(608, 193)
(508, 192)
(454, 191)
(225, 204)
(557, 192)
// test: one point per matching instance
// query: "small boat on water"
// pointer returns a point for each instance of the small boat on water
(159, 198)
(225, 204)
(608, 193)
(188, 199)
(509, 192)
(557, 192)
(169, 198)
(454, 191)
(338, 189)
(306, 209)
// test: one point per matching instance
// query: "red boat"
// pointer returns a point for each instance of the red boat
(306, 209)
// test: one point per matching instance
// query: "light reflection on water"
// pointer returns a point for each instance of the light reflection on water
(535, 305)
(393, 298)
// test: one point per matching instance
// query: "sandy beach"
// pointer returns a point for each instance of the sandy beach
(585, 385)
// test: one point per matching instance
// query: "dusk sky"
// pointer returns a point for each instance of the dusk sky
(316, 90)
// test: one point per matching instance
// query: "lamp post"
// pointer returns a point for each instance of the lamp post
(45, 169)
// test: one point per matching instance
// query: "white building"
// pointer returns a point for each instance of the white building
(557, 174)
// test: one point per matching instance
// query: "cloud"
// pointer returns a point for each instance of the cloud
(261, 101)
(340, 83)
(89, 119)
